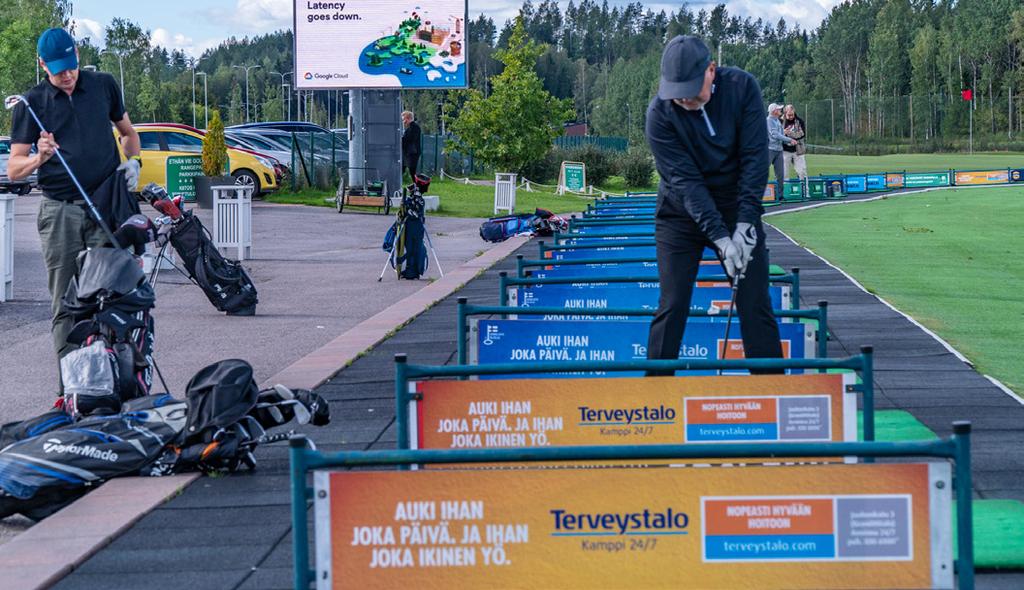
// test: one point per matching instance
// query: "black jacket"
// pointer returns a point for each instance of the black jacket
(715, 161)
(411, 140)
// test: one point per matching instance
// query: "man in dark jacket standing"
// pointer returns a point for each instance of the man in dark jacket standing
(707, 133)
(410, 143)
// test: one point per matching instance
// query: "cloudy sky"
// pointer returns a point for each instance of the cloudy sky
(196, 25)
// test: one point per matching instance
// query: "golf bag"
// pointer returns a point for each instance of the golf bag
(408, 233)
(49, 461)
(110, 301)
(540, 223)
(225, 282)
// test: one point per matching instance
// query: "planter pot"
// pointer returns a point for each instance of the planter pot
(204, 194)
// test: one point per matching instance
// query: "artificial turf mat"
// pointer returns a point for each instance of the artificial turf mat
(998, 534)
(895, 426)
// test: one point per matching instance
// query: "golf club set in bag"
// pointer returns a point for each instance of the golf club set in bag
(404, 240)
(108, 422)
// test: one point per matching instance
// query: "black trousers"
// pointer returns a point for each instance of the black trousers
(409, 162)
(680, 246)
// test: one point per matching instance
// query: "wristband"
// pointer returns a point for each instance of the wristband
(137, 159)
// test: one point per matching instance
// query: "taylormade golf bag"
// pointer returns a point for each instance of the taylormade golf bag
(110, 300)
(225, 282)
(50, 460)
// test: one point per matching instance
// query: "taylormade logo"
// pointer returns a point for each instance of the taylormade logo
(54, 445)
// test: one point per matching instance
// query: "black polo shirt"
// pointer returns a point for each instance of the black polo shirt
(81, 126)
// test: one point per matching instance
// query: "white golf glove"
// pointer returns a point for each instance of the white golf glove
(745, 238)
(131, 169)
(731, 257)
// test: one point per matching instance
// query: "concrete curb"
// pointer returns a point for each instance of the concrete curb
(45, 553)
(50, 550)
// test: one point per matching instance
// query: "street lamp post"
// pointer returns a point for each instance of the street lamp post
(120, 65)
(206, 109)
(247, 68)
(193, 62)
(288, 88)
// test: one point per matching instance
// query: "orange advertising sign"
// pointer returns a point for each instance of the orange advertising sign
(631, 411)
(794, 527)
(982, 177)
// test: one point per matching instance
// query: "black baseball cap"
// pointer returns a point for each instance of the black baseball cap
(683, 64)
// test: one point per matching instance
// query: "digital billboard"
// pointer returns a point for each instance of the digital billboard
(389, 44)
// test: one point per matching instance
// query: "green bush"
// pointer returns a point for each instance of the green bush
(600, 163)
(215, 153)
(637, 168)
(545, 170)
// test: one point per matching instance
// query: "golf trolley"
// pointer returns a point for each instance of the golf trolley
(404, 240)
(370, 194)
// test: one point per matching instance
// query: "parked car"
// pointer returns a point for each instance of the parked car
(18, 187)
(322, 142)
(162, 140)
(289, 126)
(252, 141)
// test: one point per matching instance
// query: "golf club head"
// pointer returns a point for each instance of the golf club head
(11, 101)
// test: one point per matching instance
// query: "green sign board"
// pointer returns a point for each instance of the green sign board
(180, 172)
(574, 176)
(793, 190)
(816, 189)
(925, 179)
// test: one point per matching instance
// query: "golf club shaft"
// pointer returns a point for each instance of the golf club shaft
(74, 179)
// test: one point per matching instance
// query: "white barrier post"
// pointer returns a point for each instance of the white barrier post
(232, 218)
(504, 192)
(6, 247)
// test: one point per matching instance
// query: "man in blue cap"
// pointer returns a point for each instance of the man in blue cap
(707, 134)
(77, 108)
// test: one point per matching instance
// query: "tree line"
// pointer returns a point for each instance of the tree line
(881, 74)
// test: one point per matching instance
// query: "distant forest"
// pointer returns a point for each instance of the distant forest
(878, 74)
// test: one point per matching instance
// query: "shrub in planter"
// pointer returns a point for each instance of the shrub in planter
(215, 162)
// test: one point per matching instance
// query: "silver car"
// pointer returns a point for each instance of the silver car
(18, 187)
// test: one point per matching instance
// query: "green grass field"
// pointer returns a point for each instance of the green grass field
(850, 164)
(951, 259)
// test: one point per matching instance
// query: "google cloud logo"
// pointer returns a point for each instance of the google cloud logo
(308, 76)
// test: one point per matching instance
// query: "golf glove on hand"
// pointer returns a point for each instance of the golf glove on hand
(731, 257)
(136, 231)
(131, 168)
(745, 238)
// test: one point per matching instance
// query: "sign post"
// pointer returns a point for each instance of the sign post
(572, 177)
(181, 173)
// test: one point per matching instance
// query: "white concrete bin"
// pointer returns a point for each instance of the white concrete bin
(6, 247)
(504, 192)
(232, 220)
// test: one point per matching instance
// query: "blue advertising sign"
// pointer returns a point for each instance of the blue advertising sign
(857, 184)
(525, 341)
(1017, 175)
(614, 253)
(616, 228)
(707, 268)
(628, 296)
(876, 182)
(610, 240)
(620, 211)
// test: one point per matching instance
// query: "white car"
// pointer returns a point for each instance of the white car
(18, 187)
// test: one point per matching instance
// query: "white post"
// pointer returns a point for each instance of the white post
(6, 247)
(232, 219)
(504, 192)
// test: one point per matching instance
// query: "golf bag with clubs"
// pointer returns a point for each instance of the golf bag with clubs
(224, 282)
(405, 239)
(51, 460)
(110, 301)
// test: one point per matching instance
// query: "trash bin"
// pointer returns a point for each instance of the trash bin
(6, 247)
(232, 218)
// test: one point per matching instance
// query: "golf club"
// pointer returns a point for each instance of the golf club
(734, 283)
(9, 103)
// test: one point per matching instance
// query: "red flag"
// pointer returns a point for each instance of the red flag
(967, 94)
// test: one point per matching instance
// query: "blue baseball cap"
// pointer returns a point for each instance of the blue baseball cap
(683, 64)
(57, 50)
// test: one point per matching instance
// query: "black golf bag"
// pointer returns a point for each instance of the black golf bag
(110, 301)
(408, 232)
(225, 282)
(49, 461)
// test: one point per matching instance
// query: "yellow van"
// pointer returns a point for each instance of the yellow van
(162, 140)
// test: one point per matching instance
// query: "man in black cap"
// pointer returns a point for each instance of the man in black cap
(707, 133)
(78, 108)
